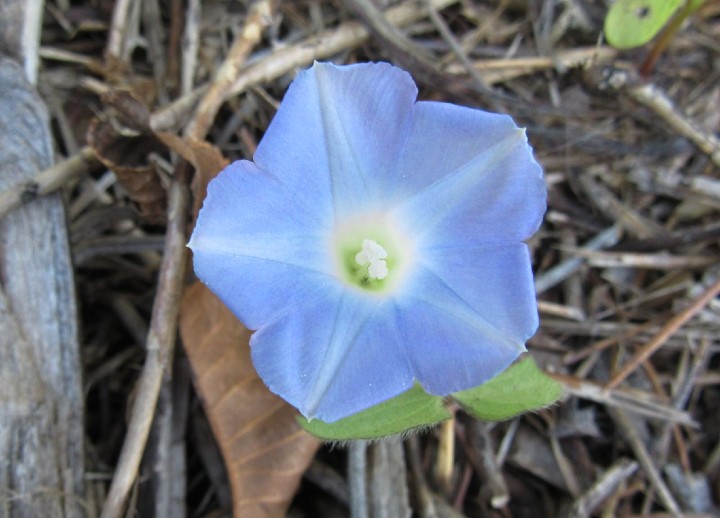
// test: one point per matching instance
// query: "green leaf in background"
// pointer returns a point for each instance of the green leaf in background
(520, 388)
(412, 409)
(631, 23)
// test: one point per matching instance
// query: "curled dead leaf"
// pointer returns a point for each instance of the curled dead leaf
(123, 141)
(126, 155)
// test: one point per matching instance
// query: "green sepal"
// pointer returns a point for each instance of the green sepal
(632, 23)
(410, 410)
(520, 388)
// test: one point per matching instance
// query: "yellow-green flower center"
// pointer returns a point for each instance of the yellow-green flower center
(372, 258)
(369, 255)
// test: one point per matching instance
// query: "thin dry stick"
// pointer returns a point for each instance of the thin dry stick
(66, 56)
(190, 46)
(681, 397)
(562, 271)
(404, 51)
(259, 17)
(661, 261)
(448, 36)
(499, 69)
(560, 310)
(638, 402)
(576, 356)
(445, 460)
(602, 489)
(673, 325)
(492, 483)
(651, 96)
(116, 245)
(387, 479)
(423, 495)
(630, 434)
(117, 36)
(48, 180)
(357, 473)
(615, 210)
(155, 34)
(173, 43)
(160, 344)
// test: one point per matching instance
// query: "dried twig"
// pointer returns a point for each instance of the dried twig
(560, 310)
(357, 477)
(404, 50)
(654, 98)
(615, 210)
(48, 180)
(448, 36)
(190, 46)
(445, 460)
(635, 401)
(160, 345)
(603, 488)
(630, 434)
(87, 249)
(425, 503)
(258, 19)
(651, 261)
(603, 344)
(683, 391)
(117, 46)
(562, 271)
(388, 479)
(493, 487)
(665, 332)
(497, 70)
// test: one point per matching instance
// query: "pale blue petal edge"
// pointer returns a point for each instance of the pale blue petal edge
(487, 189)
(336, 357)
(258, 246)
(461, 330)
(339, 132)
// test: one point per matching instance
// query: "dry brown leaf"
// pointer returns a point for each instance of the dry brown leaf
(207, 160)
(265, 450)
(126, 156)
(123, 142)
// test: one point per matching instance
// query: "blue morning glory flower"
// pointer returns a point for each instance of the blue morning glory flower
(375, 241)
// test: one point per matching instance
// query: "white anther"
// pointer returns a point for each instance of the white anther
(378, 270)
(373, 254)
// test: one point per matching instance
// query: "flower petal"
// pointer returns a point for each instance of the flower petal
(337, 356)
(257, 246)
(468, 315)
(485, 188)
(497, 283)
(338, 133)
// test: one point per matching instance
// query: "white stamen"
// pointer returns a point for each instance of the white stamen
(378, 270)
(374, 255)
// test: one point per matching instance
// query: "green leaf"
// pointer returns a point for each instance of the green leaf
(412, 409)
(520, 388)
(695, 5)
(631, 23)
